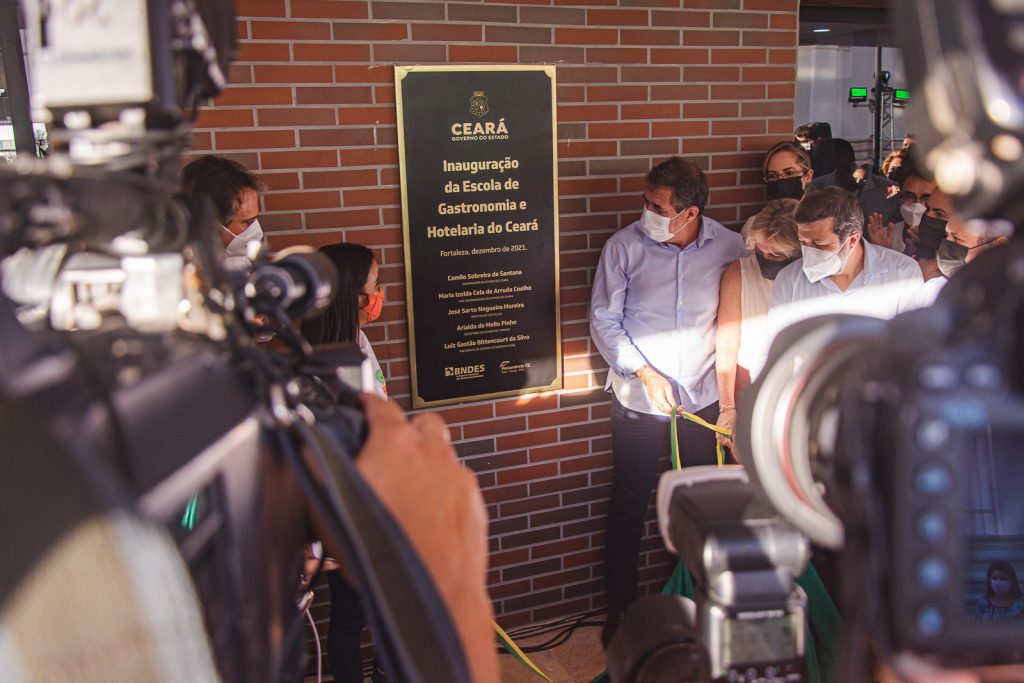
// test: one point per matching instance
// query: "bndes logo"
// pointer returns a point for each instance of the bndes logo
(464, 371)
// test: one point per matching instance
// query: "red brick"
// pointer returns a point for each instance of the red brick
(280, 181)
(733, 161)
(520, 474)
(715, 37)
(649, 36)
(585, 149)
(712, 73)
(586, 186)
(679, 128)
(331, 52)
(248, 96)
(679, 55)
(616, 93)
(649, 74)
(348, 116)
(411, 53)
(607, 112)
(554, 419)
(764, 109)
(376, 197)
(335, 137)
(738, 56)
(492, 427)
(685, 18)
(255, 139)
(520, 35)
(549, 16)
(782, 56)
(591, 462)
(739, 20)
(558, 451)
(293, 74)
(737, 127)
(305, 116)
(617, 17)
(735, 91)
(772, 5)
(250, 51)
(373, 32)
(297, 201)
(619, 130)
(780, 125)
(586, 36)
(224, 118)
(329, 9)
(651, 111)
(447, 32)
(304, 159)
(760, 143)
(679, 92)
(483, 54)
(338, 94)
(240, 74)
(527, 439)
(378, 236)
(330, 220)
(364, 74)
(616, 55)
(784, 21)
(781, 91)
(339, 179)
(368, 156)
(481, 13)
(260, 8)
(526, 404)
(291, 30)
(407, 10)
(710, 110)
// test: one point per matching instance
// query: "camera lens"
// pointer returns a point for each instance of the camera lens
(789, 421)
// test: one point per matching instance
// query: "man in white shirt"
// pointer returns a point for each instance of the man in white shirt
(839, 272)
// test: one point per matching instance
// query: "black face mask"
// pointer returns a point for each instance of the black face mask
(931, 232)
(786, 188)
(898, 175)
(770, 269)
(951, 257)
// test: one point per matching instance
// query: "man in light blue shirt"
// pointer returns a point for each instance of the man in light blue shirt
(653, 315)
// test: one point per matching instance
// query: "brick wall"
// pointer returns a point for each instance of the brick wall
(311, 107)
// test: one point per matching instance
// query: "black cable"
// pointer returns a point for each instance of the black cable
(563, 629)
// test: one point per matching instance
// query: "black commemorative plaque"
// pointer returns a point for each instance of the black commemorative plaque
(479, 211)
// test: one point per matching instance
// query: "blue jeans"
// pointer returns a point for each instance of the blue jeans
(639, 441)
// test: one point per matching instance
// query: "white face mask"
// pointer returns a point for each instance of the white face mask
(819, 264)
(912, 213)
(236, 251)
(656, 227)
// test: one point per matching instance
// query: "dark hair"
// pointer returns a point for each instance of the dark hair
(339, 322)
(685, 179)
(813, 130)
(220, 179)
(835, 154)
(832, 202)
(1006, 568)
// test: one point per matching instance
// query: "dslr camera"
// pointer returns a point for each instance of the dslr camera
(134, 399)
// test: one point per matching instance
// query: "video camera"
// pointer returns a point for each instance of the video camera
(132, 391)
(897, 443)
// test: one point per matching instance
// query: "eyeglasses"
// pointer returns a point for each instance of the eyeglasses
(911, 198)
(786, 174)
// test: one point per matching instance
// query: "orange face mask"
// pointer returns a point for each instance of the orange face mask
(374, 305)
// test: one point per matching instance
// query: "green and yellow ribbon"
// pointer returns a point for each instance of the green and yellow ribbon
(719, 451)
(514, 650)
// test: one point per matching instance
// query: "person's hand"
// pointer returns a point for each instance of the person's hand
(658, 389)
(893, 191)
(880, 233)
(726, 421)
(911, 235)
(412, 468)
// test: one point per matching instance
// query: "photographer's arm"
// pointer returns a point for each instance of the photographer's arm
(412, 467)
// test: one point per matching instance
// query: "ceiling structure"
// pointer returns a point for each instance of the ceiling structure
(865, 23)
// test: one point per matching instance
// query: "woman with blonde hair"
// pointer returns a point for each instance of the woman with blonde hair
(745, 293)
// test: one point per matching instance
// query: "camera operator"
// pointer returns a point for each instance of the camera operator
(234, 193)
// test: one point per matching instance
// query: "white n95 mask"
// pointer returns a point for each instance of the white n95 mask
(819, 264)
(237, 253)
(912, 213)
(656, 227)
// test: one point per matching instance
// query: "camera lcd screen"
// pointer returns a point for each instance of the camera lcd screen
(994, 526)
(769, 639)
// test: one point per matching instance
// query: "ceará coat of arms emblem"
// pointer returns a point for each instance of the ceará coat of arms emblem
(478, 104)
